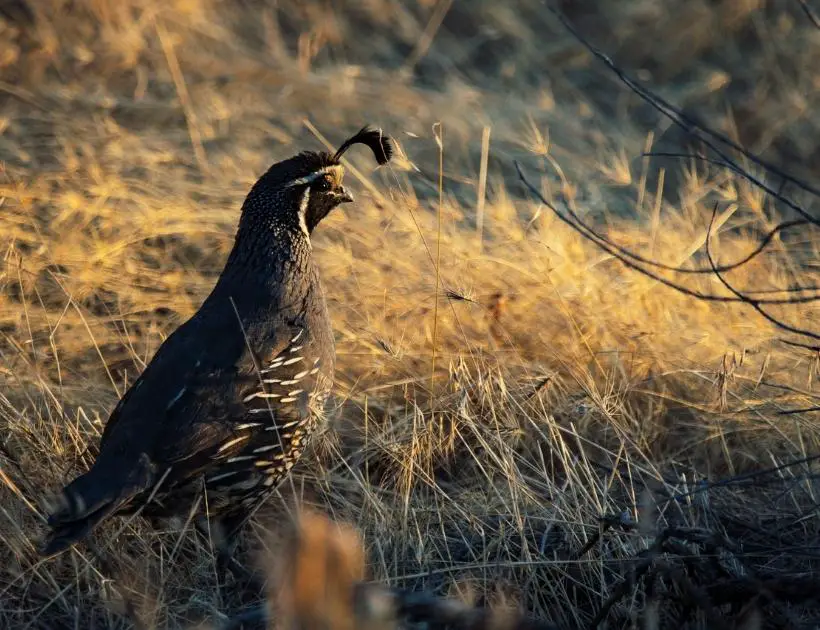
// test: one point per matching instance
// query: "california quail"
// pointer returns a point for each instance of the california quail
(223, 410)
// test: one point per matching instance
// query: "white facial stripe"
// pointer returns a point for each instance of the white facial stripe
(303, 206)
(336, 171)
(307, 179)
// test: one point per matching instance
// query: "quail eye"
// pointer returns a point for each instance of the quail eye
(323, 185)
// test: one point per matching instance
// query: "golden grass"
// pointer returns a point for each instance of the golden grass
(130, 132)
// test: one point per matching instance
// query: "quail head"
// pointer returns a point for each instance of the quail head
(224, 408)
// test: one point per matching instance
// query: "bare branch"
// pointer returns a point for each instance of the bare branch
(632, 260)
(791, 412)
(797, 344)
(706, 135)
(767, 237)
(720, 145)
(810, 13)
(754, 303)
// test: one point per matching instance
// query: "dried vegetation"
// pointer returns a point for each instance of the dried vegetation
(521, 418)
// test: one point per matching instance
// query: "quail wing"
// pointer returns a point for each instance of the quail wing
(176, 415)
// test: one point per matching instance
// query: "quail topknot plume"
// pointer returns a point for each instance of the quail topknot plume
(228, 401)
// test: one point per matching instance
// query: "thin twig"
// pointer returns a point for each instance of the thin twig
(754, 303)
(810, 13)
(184, 97)
(692, 127)
(482, 186)
(440, 141)
(631, 260)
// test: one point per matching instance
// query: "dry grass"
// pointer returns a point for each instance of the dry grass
(563, 383)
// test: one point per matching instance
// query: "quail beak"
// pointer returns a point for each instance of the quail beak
(343, 195)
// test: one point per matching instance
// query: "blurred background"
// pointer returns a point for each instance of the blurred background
(501, 383)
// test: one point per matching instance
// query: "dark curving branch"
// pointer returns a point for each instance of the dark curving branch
(754, 303)
(720, 150)
(636, 262)
(810, 13)
(709, 137)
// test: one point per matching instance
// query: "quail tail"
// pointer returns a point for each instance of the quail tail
(66, 535)
(88, 501)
